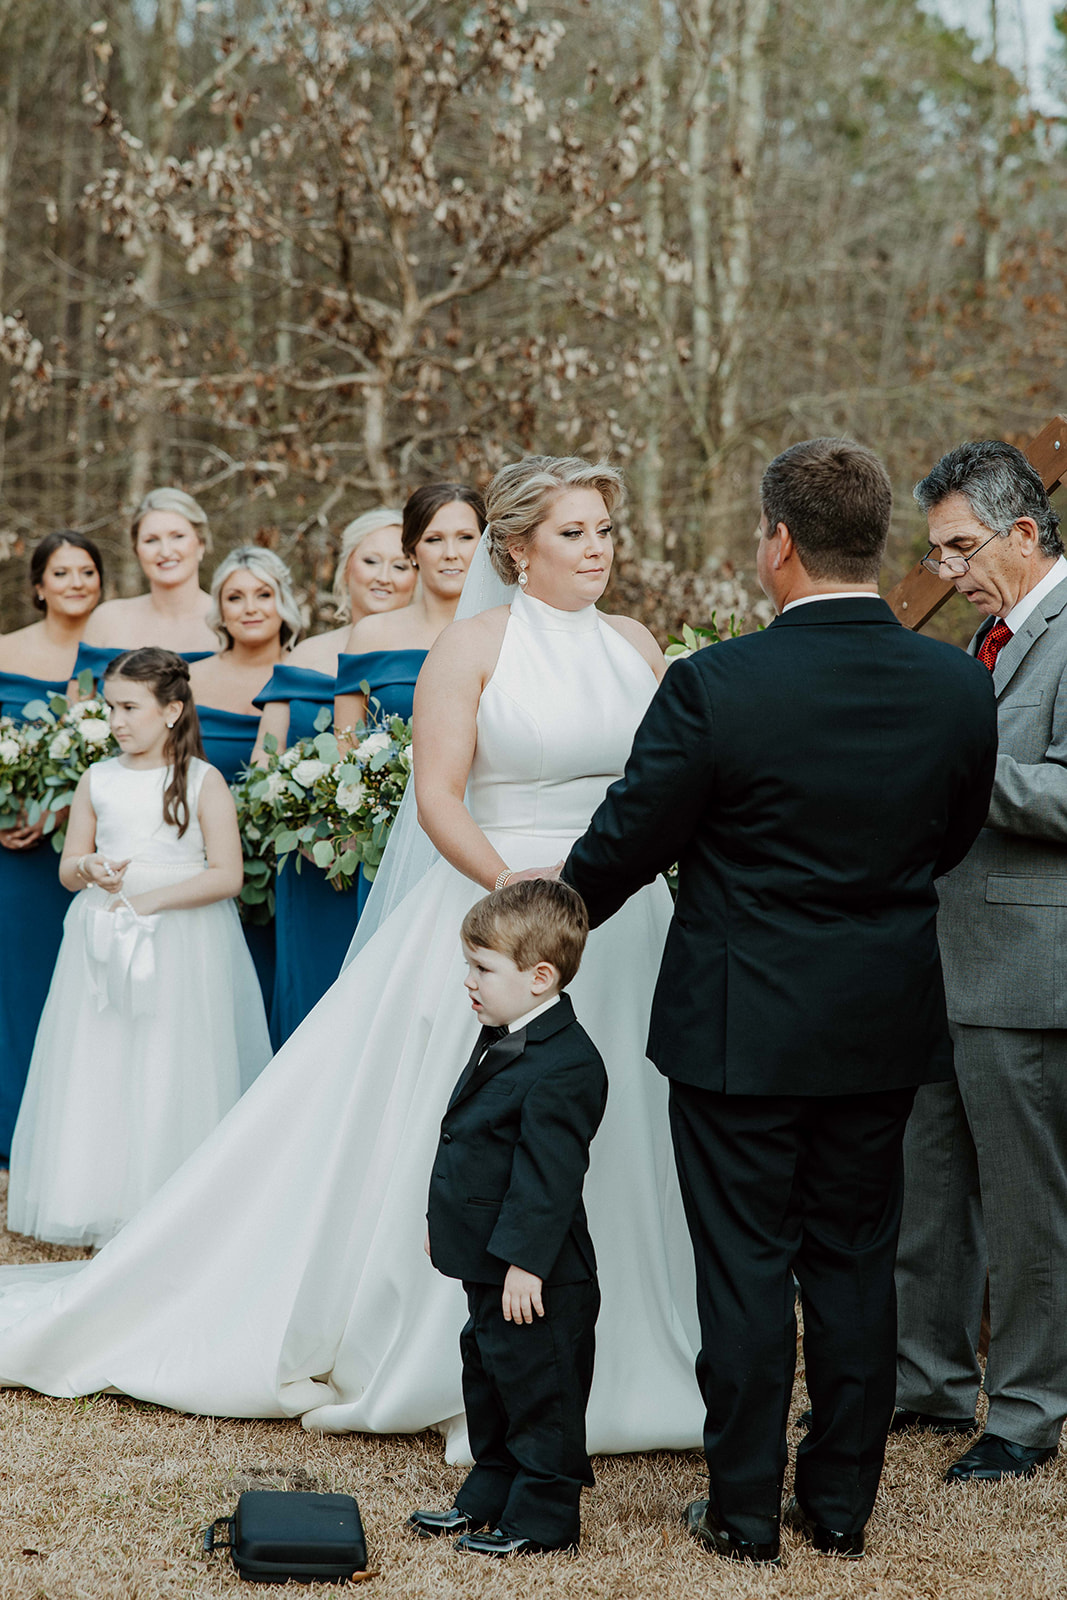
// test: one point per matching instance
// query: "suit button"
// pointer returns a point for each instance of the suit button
(446, 1138)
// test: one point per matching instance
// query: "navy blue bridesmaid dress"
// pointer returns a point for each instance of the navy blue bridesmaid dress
(228, 739)
(391, 676)
(313, 922)
(99, 656)
(33, 904)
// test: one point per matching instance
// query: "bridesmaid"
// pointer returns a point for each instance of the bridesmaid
(169, 534)
(256, 620)
(66, 574)
(442, 525)
(314, 921)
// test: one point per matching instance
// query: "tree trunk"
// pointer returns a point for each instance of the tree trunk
(744, 77)
(650, 463)
(700, 202)
(145, 440)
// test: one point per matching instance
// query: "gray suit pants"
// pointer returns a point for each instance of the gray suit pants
(985, 1186)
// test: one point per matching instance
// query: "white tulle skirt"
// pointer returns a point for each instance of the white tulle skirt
(149, 1035)
(281, 1270)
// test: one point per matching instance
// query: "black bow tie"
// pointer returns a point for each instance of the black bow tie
(491, 1036)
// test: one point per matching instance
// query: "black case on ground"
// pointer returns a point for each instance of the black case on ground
(278, 1535)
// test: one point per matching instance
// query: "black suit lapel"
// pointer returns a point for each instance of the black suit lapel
(478, 1071)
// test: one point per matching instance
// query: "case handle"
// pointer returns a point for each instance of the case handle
(211, 1542)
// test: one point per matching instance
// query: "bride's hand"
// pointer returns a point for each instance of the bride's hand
(528, 874)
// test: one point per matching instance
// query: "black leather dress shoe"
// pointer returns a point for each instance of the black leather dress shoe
(993, 1458)
(925, 1422)
(702, 1523)
(498, 1543)
(432, 1524)
(828, 1540)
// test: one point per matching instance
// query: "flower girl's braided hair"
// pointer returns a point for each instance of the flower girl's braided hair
(167, 675)
(519, 497)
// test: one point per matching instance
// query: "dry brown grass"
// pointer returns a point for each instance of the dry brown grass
(104, 1499)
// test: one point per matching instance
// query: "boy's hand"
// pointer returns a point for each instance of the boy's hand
(522, 1296)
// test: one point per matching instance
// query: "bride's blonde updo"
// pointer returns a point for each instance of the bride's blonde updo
(519, 497)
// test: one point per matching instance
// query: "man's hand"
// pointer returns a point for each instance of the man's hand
(522, 1296)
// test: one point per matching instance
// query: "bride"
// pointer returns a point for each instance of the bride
(280, 1272)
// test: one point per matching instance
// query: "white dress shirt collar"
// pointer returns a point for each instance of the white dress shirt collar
(1019, 613)
(840, 594)
(520, 1022)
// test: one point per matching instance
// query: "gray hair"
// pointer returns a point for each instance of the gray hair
(269, 569)
(999, 485)
(519, 497)
(175, 500)
(351, 538)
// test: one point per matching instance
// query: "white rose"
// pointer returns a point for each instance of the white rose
(87, 708)
(10, 750)
(308, 772)
(371, 745)
(349, 797)
(274, 787)
(290, 759)
(95, 730)
(60, 745)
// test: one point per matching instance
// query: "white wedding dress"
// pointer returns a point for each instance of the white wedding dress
(281, 1270)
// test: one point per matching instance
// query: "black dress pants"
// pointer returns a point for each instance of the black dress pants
(525, 1390)
(776, 1185)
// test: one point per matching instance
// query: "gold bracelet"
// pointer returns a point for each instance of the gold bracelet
(502, 879)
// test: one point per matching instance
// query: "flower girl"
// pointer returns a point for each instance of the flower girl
(154, 1025)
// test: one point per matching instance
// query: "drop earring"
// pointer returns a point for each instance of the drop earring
(523, 579)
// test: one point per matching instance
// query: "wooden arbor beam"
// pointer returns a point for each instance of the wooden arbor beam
(919, 594)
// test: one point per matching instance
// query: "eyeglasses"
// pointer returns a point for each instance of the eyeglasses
(953, 566)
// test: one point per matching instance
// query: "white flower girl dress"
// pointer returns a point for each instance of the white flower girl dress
(153, 1028)
(281, 1270)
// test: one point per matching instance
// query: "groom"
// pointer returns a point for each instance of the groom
(811, 781)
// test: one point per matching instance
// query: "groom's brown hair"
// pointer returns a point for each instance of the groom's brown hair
(836, 499)
(536, 920)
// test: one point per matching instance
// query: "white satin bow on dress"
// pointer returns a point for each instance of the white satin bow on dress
(121, 956)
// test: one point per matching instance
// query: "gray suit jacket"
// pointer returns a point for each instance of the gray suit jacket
(1002, 925)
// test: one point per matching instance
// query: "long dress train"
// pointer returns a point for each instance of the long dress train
(281, 1270)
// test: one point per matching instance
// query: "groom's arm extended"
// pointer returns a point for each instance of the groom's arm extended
(646, 819)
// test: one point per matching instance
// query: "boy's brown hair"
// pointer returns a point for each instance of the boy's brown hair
(536, 920)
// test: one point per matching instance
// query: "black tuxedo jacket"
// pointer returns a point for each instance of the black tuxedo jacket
(506, 1186)
(811, 781)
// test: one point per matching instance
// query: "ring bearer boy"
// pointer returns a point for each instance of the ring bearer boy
(506, 1216)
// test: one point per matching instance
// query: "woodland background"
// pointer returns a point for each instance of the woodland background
(298, 256)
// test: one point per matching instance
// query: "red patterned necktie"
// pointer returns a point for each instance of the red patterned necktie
(993, 643)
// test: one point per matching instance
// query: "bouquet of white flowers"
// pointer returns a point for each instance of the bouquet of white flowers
(66, 741)
(17, 762)
(311, 801)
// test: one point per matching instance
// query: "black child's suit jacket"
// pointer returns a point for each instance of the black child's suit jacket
(811, 781)
(506, 1186)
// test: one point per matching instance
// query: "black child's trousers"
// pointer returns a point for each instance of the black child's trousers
(525, 1390)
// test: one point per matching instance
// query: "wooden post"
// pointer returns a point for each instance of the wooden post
(919, 594)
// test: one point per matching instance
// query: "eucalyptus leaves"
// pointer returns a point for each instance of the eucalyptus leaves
(42, 758)
(310, 802)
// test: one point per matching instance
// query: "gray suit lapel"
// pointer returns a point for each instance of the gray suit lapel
(1018, 646)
